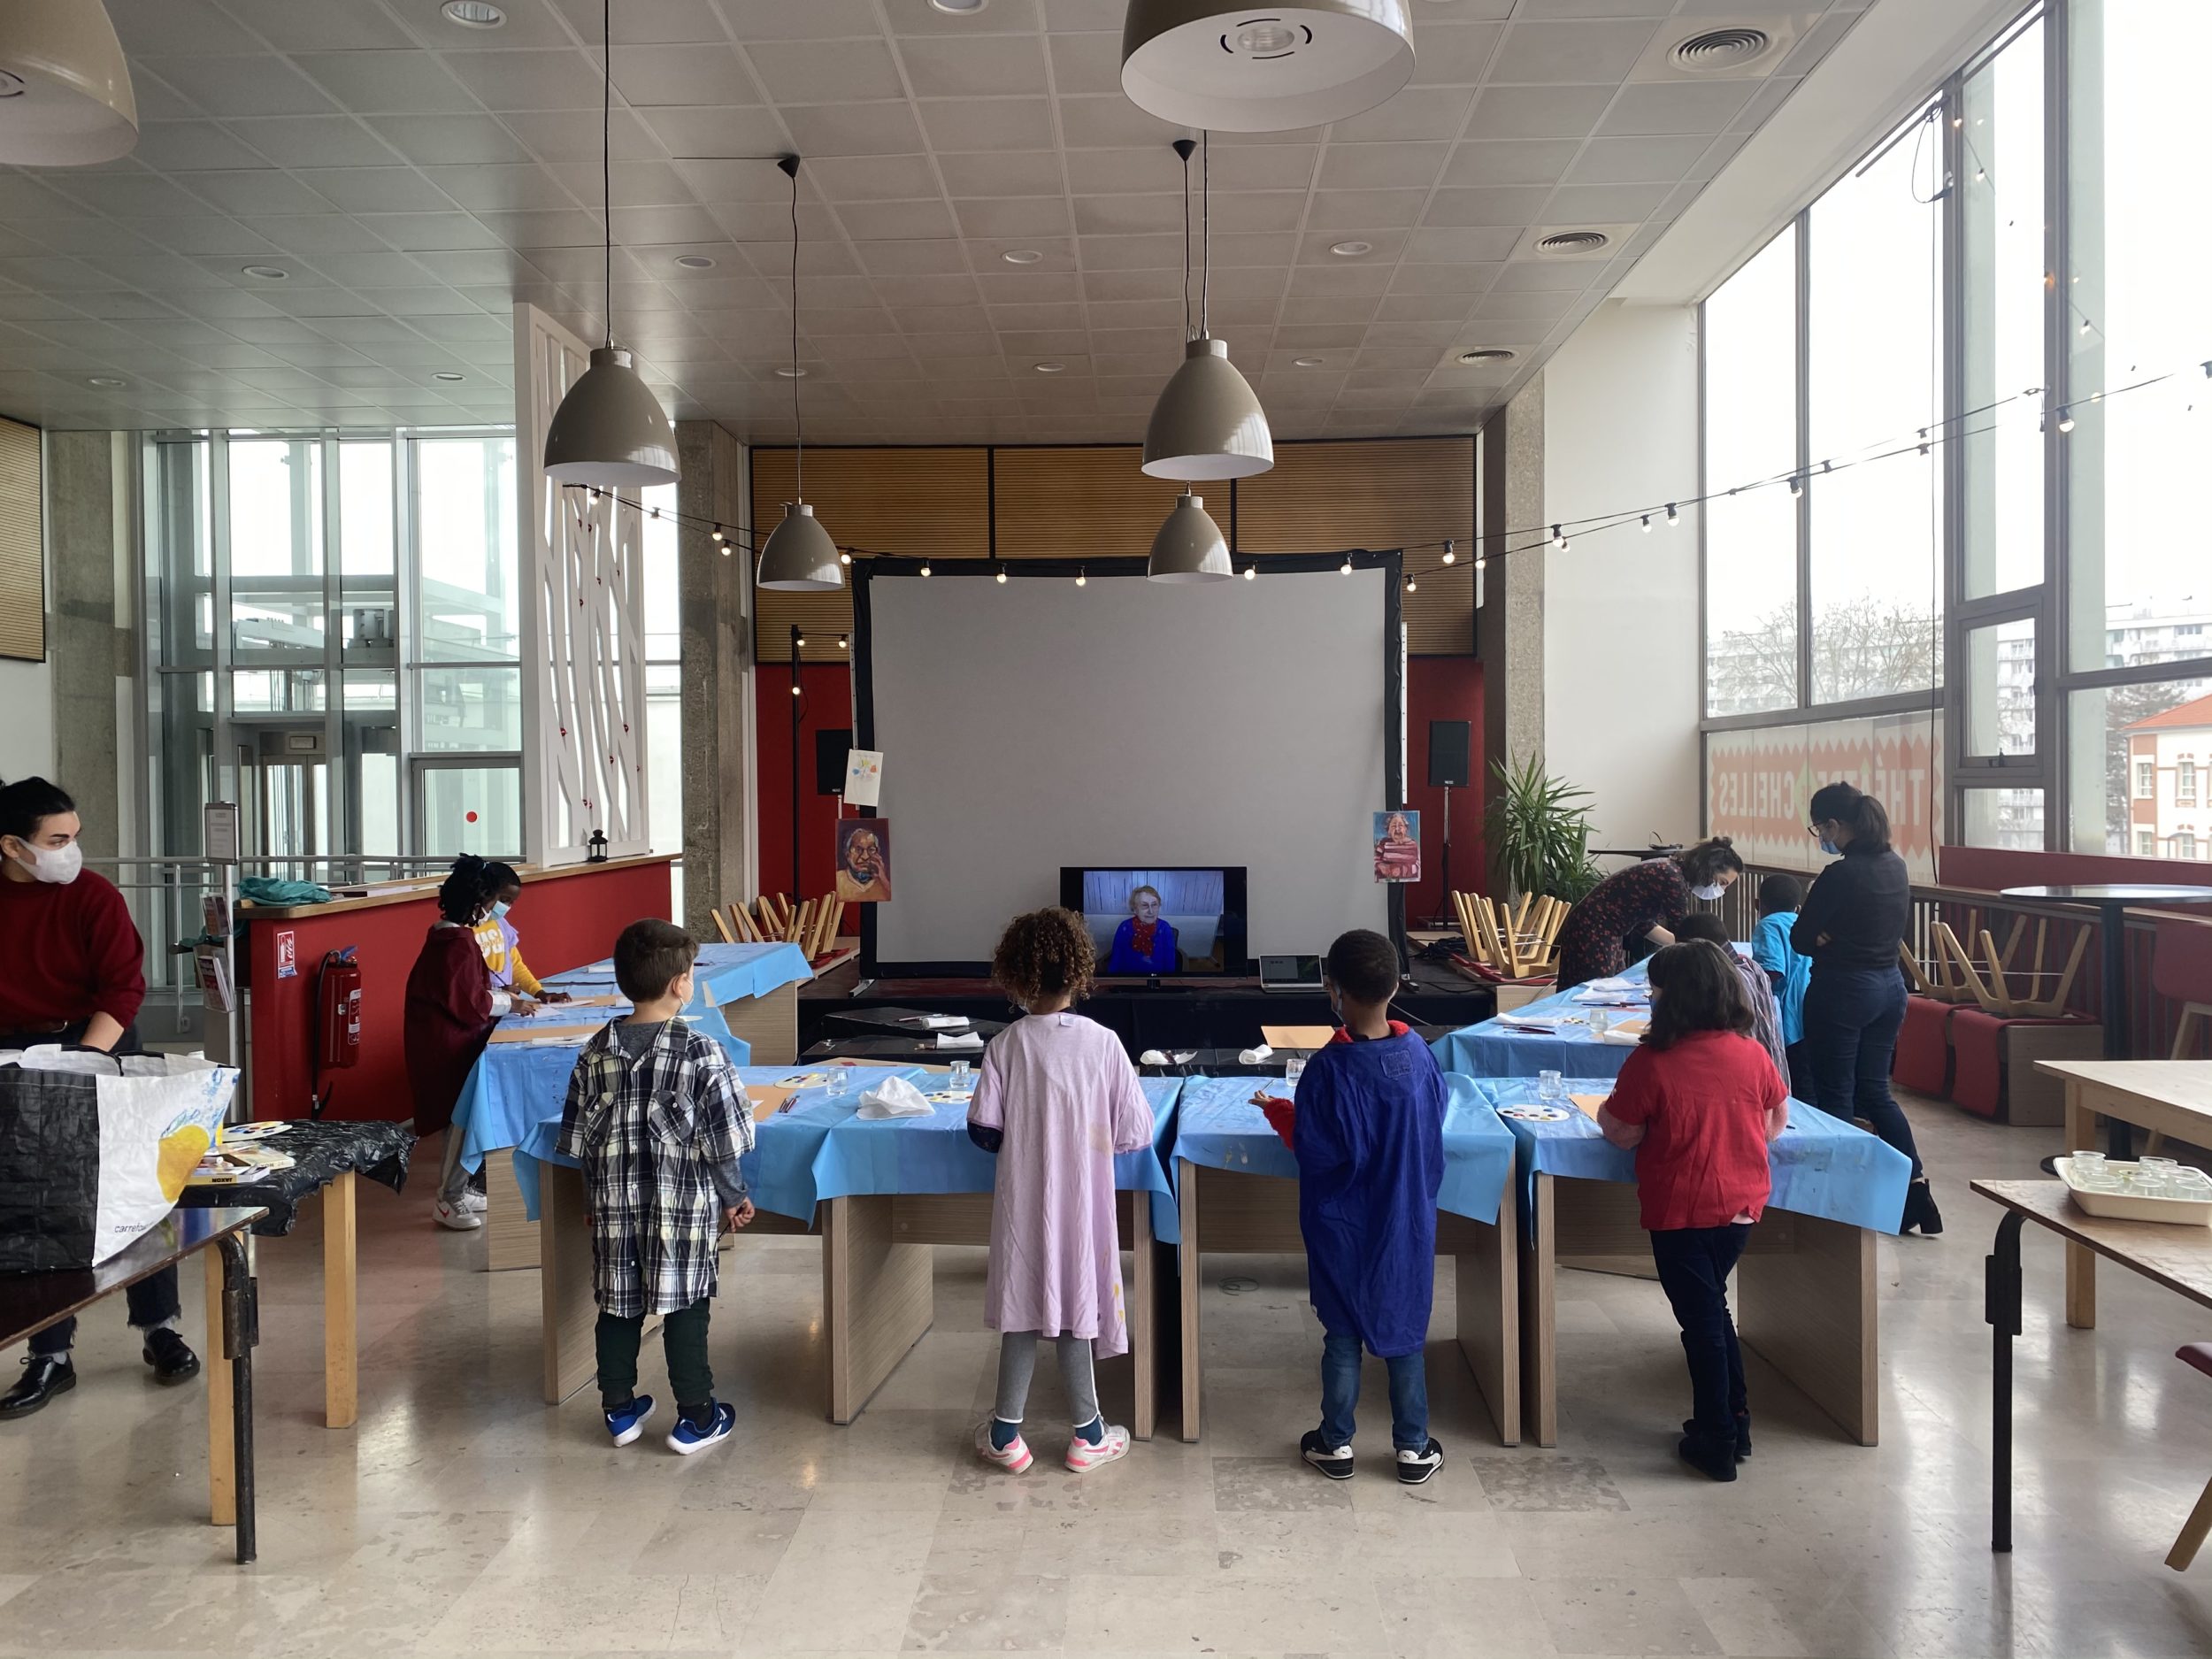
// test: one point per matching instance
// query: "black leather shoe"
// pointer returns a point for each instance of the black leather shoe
(1743, 1433)
(1713, 1459)
(44, 1376)
(171, 1357)
(1920, 1211)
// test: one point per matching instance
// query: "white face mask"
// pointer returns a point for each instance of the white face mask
(1708, 892)
(57, 865)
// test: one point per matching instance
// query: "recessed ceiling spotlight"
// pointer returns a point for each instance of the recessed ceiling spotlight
(791, 374)
(103, 380)
(1307, 362)
(1351, 249)
(1050, 368)
(958, 8)
(694, 262)
(1021, 256)
(472, 14)
(267, 272)
(445, 374)
(1487, 354)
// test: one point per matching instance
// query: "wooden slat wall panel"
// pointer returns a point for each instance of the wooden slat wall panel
(1088, 503)
(932, 503)
(22, 568)
(1322, 497)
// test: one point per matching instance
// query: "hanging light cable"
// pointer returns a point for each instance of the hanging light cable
(610, 429)
(1208, 423)
(800, 557)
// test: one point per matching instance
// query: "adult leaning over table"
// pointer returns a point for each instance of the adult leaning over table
(1852, 921)
(75, 974)
(1642, 904)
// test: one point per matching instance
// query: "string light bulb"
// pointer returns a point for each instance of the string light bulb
(1345, 569)
(843, 644)
(1080, 578)
(924, 567)
(799, 641)
(1647, 524)
(2065, 420)
(794, 691)
(1451, 552)
(1558, 538)
(844, 556)
(1481, 564)
(1673, 517)
(1797, 485)
(2084, 326)
(1002, 574)
(1411, 586)
(718, 536)
(1251, 572)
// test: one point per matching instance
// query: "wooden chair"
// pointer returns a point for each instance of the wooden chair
(2005, 991)
(2199, 1525)
(1517, 942)
(722, 926)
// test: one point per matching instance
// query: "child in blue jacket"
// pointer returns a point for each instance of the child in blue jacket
(1788, 970)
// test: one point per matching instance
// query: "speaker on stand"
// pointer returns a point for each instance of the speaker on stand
(1449, 745)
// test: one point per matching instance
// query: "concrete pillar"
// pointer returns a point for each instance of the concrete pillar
(721, 856)
(89, 634)
(1510, 626)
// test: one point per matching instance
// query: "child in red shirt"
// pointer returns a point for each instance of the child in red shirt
(1701, 1102)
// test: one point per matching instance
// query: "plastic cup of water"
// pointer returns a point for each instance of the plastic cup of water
(1550, 1087)
(1294, 1069)
(1600, 1023)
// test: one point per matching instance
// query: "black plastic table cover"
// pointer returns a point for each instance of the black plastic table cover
(321, 1153)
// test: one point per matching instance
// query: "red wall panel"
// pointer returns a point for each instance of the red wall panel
(1444, 688)
(825, 705)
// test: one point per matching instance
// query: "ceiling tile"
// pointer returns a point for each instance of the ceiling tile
(1606, 203)
(1003, 16)
(1547, 276)
(1771, 95)
(1525, 112)
(525, 80)
(1132, 285)
(261, 190)
(387, 83)
(398, 190)
(1110, 123)
(896, 221)
(858, 129)
(291, 27)
(1552, 53)
(977, 66)
(1511, 205)
(241, 86)
(1019, 124)
(1365, 210)
(1677, 106)
(636, 183)
(1315, 280)
(754, 135)
(1112, 215)
(1034, 172)
(813, 20)
(645, 22)
(1130, 171)
(130, 196)
(199, 145)
(1085, 63)
(700, 73)
(1436, 246)
(1487, 165)
(311, 233)
(1132, 253)
(1443, 279)
(412, 232)
(1539, 307)
(1317, 248)
(315, 140)
(1015, 216)
(637, 225)
(1417, 113)
(1258, 210)
(477, 139)
(928, 290)
(1375, 167)
(148, 27)
(940, 256)
(1637, 160)
(825, 71)
(875, 179)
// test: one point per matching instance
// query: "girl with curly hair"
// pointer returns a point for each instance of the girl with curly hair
(1056, 1100)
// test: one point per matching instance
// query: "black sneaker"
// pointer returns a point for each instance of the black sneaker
(1743, 1433)
(1920, 1211)
(171, 1357)
(1714, 1459)
(1332, 1461)
(44, 1376)
(1414, 1468)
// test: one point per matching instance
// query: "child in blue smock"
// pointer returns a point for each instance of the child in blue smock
(1788, 970)
(1368, 1130)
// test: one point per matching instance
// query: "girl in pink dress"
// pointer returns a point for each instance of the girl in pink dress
(1056, 1100)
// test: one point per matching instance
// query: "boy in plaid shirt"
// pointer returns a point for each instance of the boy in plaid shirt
(658, 1120)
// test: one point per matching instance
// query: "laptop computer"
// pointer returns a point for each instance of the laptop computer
(1290, 973)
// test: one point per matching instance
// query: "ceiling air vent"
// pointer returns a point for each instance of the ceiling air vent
(1572, 241)
(1488, 354)
(1720, 51)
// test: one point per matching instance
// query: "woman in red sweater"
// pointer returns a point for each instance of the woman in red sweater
(75, 974)
(1701, 1102)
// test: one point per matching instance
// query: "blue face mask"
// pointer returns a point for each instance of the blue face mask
(500, 907)
(1829, 847)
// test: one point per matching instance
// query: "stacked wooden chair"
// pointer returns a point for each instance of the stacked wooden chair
(2018, 1015)
(1939, 988)
(771, 919)
(1517, 943)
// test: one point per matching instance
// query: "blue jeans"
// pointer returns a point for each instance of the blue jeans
(1852, 1017)
(1340, 1394)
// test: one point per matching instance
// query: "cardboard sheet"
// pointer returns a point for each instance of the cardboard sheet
(1298, 1039)
(1589, 1103)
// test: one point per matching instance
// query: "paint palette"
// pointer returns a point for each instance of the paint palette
(1536, 1114)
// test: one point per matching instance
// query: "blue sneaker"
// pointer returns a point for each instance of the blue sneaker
(628, 1423)
(689, 1437)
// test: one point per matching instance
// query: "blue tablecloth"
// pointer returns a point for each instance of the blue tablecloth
(1218, 1126)
(514, 1086)
(1822, 1165)
(1493, 1050)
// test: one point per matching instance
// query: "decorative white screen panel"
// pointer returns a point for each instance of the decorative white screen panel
(583, 645)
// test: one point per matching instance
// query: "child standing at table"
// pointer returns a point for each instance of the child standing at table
(658, 1120)
(1367, 1128)
(501, 946)
(1701, 1102)
(1056, 1099)
(1788, 970)
(1758, 995)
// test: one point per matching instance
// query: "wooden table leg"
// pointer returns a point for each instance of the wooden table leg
(877, 1298)
(1810, 1313)
(342, 1360)
(1539, 1317)
(1144, 1351)
(2081, 1261)
(222, 1489)
(1187, 1266)
(242, 1330)
(1486, 1286)
(569, 1310)
(511, 1236)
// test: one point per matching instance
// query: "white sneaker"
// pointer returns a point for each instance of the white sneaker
(1083, 1456)
(474, 1201)
(458, 1217)
(1013, 1457)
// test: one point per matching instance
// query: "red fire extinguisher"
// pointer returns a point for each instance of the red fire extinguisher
(337, 1020)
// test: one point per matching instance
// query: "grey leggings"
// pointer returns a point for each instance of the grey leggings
(1017, 1363)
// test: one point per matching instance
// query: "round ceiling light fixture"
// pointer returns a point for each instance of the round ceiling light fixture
(1486, 354)
(65, 97)
(1306, 363)
(1718, 51)
(447, 374)
(1573, 242)
(1049, 368)
(1021, 256)
(958, 8)
(694, 262)
(267, 272)
(790, 373)
(1351, 249)
(472, 14)
(1200, 65)
(103, 380)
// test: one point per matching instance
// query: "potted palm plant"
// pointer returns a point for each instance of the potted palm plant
(1539, 832)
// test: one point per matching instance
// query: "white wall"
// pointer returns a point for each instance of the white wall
(1622, 675)
(26, 719)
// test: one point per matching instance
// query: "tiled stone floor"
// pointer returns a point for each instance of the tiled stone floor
(464, 1516)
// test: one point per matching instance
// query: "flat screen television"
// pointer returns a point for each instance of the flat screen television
(1172, 922)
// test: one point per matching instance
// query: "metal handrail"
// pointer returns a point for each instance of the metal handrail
(171, 925)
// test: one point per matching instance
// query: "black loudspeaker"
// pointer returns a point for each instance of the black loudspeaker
(831, 749)
(1447, 753)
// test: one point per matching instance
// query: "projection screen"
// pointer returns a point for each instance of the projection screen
(1032, 724)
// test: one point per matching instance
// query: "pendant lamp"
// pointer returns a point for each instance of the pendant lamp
(800, 556)
(1197, 63)
(65, 98)
(1189, 548)
(610, 432)
(1208, 423)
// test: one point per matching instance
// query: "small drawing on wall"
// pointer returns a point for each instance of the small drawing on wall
(863, 860)
(1397, 846)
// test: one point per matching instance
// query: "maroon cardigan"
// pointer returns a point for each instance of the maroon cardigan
(449, 1019)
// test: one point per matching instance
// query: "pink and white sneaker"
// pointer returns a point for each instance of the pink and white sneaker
(1013, 1457)
(1083, 1456)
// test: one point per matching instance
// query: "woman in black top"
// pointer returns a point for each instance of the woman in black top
(1852, 924)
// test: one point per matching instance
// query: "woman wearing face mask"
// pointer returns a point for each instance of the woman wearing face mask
(1640, 906)
(75, 973)
(451, 1007)
(1852, 921)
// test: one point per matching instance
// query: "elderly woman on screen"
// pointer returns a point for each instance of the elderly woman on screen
(1144, 943)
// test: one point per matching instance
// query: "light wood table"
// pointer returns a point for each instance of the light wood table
(2169, 1097)
(2178, 1257)
(1805, 1297)
(1233, 1211)
(878, 1285)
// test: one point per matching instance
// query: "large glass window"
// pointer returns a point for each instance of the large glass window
(1874, 341)
(2135, 751)
(1750, 334)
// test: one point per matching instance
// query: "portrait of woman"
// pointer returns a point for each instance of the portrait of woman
(863, 860)
(1145, 942)
(1397, 846)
